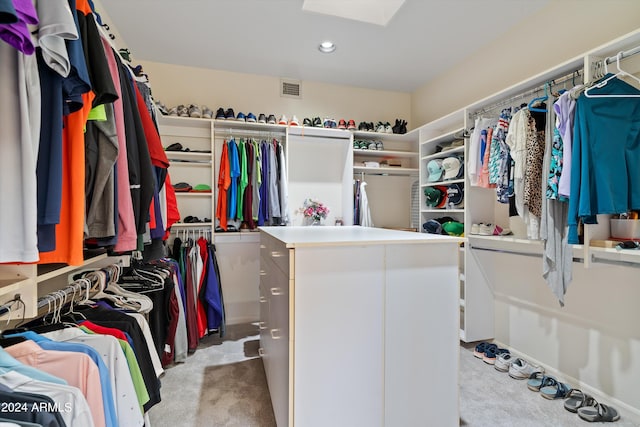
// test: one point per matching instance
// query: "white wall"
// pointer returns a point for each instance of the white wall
(176, 84)
(560, 31)
(593, 341)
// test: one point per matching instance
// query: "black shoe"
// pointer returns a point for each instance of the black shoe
(230, 115)
(262, 118)
(220, 114)
(371, 127)
(317, 122)
(396, 127)
(403, 127)
(272, 119)
(307, 122)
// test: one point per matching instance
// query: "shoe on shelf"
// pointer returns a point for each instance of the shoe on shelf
(351, 124)
(380, 128)
(173, 111)
(371, 127)
(194, 111)
(272, 119)
(262, 118)
(403, 127)
(379, 146)
(294, 121)
(342, 124)
(317, 122)
(206, 112)
(387, 128)
(330, 123)
(230, 115)
(183, 111)
(363, 126)
(251, 118)
(396, 127)
(162, 108)
(372, 145)
(283, 120)
(520, 369)
(241, 117)
(307, 122)
(220, 114)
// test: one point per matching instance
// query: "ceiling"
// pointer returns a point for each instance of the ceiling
(278, 38)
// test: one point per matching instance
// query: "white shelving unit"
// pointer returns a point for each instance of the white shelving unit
(390, 189)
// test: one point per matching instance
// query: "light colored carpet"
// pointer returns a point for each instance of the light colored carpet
(223, 385)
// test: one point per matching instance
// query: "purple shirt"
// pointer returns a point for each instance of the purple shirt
(564, 108)
(18, 34)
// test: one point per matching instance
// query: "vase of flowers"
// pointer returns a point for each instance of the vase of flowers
(314, 211)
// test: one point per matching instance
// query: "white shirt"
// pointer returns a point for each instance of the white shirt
(74, 408)
(125, 398)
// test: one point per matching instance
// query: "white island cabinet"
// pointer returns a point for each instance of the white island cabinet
(359, 326)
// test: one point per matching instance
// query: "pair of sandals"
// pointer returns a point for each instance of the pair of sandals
(589, 409)
(576, 401)
(194, 219)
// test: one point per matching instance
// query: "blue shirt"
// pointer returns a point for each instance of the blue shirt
(234, 169)
(605, 154)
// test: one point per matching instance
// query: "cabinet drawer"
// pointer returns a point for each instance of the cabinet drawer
(276, 251)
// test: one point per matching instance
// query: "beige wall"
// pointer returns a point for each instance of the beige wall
(176, 84)
(561, 31)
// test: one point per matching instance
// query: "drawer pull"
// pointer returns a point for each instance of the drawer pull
(262, 246)
(263, 299)
(262, 325)
(261, 352)
(276, 254)
(263, 273)
(275, 334)
(276, 291)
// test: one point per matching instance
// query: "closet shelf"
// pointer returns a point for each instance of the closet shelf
(51, 271)
(443, 154)
(195, 194)
(383, 153)
(187, 155)
(386, 171)
(446, 137)
(443, 210)
(407, 137)
(612, 254)
(229, 127)
(452, 181)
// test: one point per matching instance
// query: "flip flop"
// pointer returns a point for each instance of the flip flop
(538, 380)
(576, 399)
(600, 413)
(554, 390)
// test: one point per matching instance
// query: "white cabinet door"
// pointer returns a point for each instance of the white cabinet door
(338, 341)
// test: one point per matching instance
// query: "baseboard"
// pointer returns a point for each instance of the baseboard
(627, 411)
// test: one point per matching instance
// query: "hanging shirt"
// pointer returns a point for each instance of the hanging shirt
(606, 154)
(244, 179)
(224, 181)
(249, 191)
(124, 394)
(77, 369)
(234, 173)
(79, 413)
(17, 34)
(274, 197)
(284, 189)
(18, 154)
(256, 180)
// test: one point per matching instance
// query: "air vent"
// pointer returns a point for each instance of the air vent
(290, 88)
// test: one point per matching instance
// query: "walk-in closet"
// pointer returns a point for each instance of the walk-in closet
(319, 213)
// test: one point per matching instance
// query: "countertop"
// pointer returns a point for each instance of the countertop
(352, 235)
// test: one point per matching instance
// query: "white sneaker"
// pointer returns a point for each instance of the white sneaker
(283, 120)
(475, 228)
(503, 361)
(294, 121)
(520, 369)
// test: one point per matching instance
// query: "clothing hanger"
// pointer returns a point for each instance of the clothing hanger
(603, 83)
(539, 99)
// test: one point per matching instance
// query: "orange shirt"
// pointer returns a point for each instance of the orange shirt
(224, 181)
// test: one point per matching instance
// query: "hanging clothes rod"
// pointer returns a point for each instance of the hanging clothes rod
(79, 288)
(6, 307)
(574, 77)
(624, 54)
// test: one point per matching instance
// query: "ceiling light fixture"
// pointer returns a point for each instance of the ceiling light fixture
(326, 47)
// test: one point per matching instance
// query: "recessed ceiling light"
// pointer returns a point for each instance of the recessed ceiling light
(326, 47)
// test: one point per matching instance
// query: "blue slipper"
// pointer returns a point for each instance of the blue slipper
(537, 380)
(554, 390)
